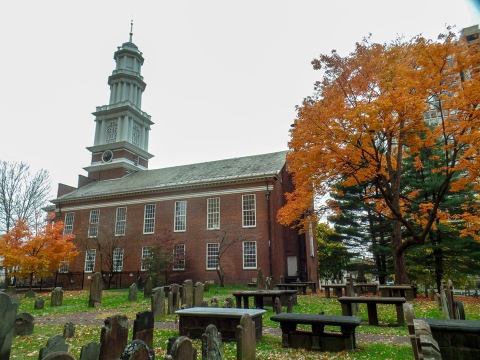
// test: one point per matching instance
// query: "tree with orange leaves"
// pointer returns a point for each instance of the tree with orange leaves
(368, 119)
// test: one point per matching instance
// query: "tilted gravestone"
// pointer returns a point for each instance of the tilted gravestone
(137, 350)
(277, 306)
(90, 351)
(8, 313)
(24, 324)
(290, 302)
(132, 292)
(460, 310)
(229, 302)
(96, 287)
(246, 341)
(212, 347)
(54, 344)
(181, 349)
(187, 298)
(39, 304)
(143, 327)
(198, 294)
(30, 294)
(175, 291)
(260, 279)
(148, 287)
(69, 330)
(157, 302)
(59, 355)
(350, 291)
(113, 337)
(56, 298)
(444, 302)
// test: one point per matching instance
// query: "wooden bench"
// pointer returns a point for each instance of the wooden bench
(259, 296)
(311, 284)
(293, 286)
(407, 291)
(317, 338)
(366, 288)
(193, 321)
(339, 289)
(372, 302)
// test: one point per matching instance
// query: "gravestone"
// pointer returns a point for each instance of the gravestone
(277, 306)
(187, 298)
(56, 298)
(207, 284)
(212, 347)
(113, 337)
(148, 287)
(30, 294)
(290, 303)
(157, 303)
(450, 299)
(175, 291)
(260, 279)
(444, 302)
(68, 330)
(137, 350)
(214, 302)
(350, 291)
(59, 355)
(91, 351)
(132, 292)
(198, 294)
(245, 335)
(460, 310)
(268, 283)
(24, 324)
(229, 302)
(54, 344)
(182, 349)
(96, 286)
(170, 305)
(8, 313)
(39, 304)
(143, 327)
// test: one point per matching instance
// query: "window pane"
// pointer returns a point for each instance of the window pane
(212, 256)
(68, 223)
(149, 219)
(146, 254)
(63, 268)
(213, 213)
(121, 221)
(180, 222)
(93, 224)
(249, 254)
(90, 260)
(249, 210)
(117, 259)
(179, 257)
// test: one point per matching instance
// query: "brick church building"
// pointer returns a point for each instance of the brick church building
(122, 210)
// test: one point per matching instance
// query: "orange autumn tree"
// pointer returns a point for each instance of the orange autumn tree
(366, 121)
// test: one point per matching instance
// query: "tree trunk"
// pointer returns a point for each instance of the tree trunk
(31, 280)
(399, 265)
(221, 276)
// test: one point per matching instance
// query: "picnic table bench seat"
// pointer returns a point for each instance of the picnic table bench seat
(372, 301)
(293, 286)
(259, 295)
(317, 338)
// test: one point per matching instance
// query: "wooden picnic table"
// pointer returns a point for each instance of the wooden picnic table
(258, 296)
(193, 321)
(317, 339)
(365, 288)
(407, 291)
(337, 287)
(372, 302)
(293, 286)
(311, 284)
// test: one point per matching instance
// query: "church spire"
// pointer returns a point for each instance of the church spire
(131, 30)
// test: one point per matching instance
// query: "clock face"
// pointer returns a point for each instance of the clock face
(107, 156)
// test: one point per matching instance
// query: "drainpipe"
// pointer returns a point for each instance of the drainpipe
(269, 223)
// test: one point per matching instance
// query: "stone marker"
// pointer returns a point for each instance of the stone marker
(187, 298)
(39, 304)
(170, 306)
(207, 284)
(277, 306)
(30, 294)
(175, 291)
(260, 279)
(54, 344)
(268, 283)
(132, 292)
(96, 286)
(113, 337)
(59, 355)
(444, 302)
(214, 302)
(8, 313)
(182, 349)
(143, 327)
(24, 324)
(198, 294)
(91, 351)
(56, 298)
(246, 342)
(148, 287)
(157, 303)
(137, 350)
(460, 310)
(212, 347)
(68, 330)
(290, 302)
(229, 302)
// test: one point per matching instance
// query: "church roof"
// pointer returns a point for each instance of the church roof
(220, 171)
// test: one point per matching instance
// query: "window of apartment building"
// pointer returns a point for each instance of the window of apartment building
(68, 223)
(213, 213)
(249, 254)
(146, 255)
(249, 218)
(93, 223)
(180, 221)
(213, 250)
(90, 260)
(117, 258)
(149, 219)
(63, 268)
(179, 257)
(120, 221)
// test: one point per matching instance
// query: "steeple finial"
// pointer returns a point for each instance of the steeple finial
(131, 30)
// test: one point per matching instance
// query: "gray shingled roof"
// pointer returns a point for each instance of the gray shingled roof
(247, 167)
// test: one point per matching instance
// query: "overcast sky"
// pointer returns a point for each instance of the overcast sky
(223, 77)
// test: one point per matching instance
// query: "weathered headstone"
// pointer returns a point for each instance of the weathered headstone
(56, 298)
(212, 347)
(132, 292)
(444, 303)
(148, 287)
(137, 350)
(24, 324)
(30, 294)
(207, 284)
(290, 303)
(59, 355)
(170, 305)
(246, 341)
(143, 327)
(229, 302)
(268, 283)
(175, 291)
(450, 299)
(198, 294)
(54, 344)
(460, 310)
(260, 279)
(350, 291)
(69, 330)
(214, 302)
(157, 302)
(90, 351)
(182, 349)
(8, 313)
(113, 337)
(187, 298)
(39, 304)
(96, 287)
(277, 306)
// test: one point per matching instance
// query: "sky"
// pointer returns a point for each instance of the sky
(223, 77)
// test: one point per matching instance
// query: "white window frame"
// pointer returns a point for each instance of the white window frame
(177, 214)
(93, 223)
(94, 251)
(150, 218)
(175, 255)
(212, 213)
(64, 267)
(117, 257)
(142, 265)
(244, 211)
(67, 227)
(120, 222)
(207, 256)
(243, 255)
(310, 239)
